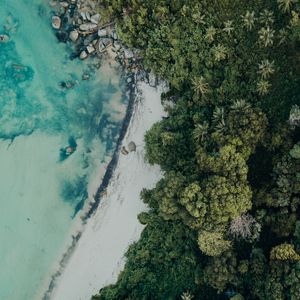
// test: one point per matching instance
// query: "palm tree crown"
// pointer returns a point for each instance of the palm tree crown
(266, 17)
(263, 87)
(220, 52)
(266, 36)
(285, 5)
(200, 86)
(210, 34)
(248, 20)
(266, 68)
(228, 27)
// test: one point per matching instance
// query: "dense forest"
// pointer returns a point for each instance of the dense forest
(224, 221)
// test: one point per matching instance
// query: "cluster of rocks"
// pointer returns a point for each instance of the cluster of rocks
(80, 22)
(131, 147)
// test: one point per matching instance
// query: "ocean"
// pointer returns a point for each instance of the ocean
(47, 110)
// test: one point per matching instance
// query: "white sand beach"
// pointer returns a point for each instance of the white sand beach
(99, 254)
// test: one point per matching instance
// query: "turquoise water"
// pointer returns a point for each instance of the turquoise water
(39, 193)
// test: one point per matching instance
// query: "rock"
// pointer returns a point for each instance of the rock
(56, 22)
(87, 26)
(85, 76)
(128, 54)
(131, 146)
(88, 16)
(90, 49)
(4, 38)
(152, 80)
(114, 35)
(88, 40)
(102, 32)
(83, 16)
(74, 35)
(124, 151)
(83, 55)
(64, 4)
(117, 45)
(95, 19)
(106, 42)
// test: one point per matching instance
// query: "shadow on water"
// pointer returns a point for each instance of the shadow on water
(74, 192)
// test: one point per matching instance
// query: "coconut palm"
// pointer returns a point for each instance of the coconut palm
(266, 68)
(266, 17)
(187, 296)
(200, 132)
(240, 105)
(218, 115)
(200, 86)
(282, 36)
(198, 18)
(285, 5)
(210, 34)
(228, 27)
(263, 87)
(266, 36)
(248, 20)
(220, 52)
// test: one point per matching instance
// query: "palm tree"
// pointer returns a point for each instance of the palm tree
(282, 36)
(240, 105)
(220, 52)
(200, 86)
(263, 87)
(266, 36)
(218, 116)
(200, 132)
(187, 296)
(266, 68)
(198, 18)
(228, 27)
(285, 5)
(219, 122)
(210, 34)
(248, 20)
(266, 17)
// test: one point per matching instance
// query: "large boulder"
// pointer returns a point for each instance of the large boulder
(56, 22)
(88, 26)
(74, 35)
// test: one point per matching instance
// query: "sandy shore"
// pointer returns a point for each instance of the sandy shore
(99, 254)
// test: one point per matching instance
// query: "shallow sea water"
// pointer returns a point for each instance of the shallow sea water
(39, 194)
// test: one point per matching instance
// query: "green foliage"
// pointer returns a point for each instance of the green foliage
(284, 252)
(212, 243)
(229, 148)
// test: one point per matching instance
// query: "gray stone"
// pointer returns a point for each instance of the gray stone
(74, 35)
(128, 53)
(114, 35)
(87, 26)
(4, 38)
(124, 151)
(83, 16)
(56, 22)
(83, 55)
(90, 49)
(95, 18)
(102, 32)
(131, 146)
(64, 4)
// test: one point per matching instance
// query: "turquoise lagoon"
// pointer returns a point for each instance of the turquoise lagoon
(39, 194)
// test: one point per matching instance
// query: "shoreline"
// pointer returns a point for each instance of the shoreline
(91, 206)
(98, 211)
